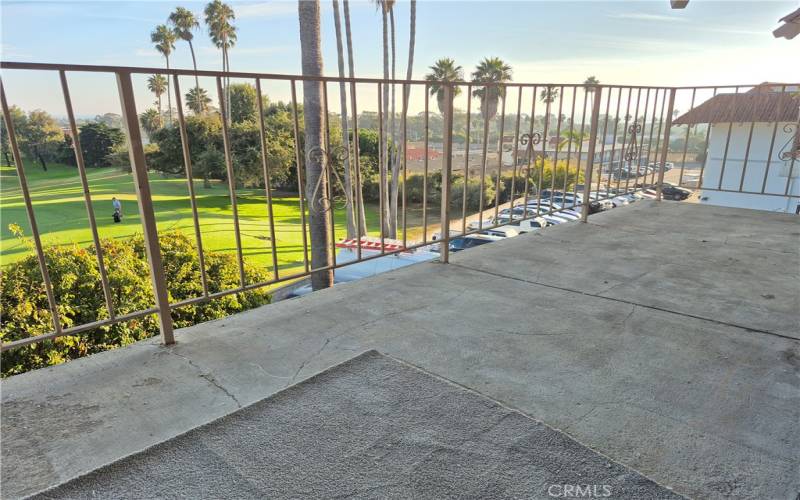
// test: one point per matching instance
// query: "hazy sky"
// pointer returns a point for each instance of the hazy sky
(628, 42)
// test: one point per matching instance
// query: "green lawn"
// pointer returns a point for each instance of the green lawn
(61, 213)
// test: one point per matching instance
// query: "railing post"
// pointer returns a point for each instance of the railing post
(447, 170)
(589, 168)
(665, 146)
(145, 201)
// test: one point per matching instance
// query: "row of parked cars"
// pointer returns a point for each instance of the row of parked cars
(551, 208)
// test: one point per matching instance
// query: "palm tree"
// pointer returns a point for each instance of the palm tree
(348, 181)
(316, 183)
(412, 33)
(184, 22)
(444, 70)
(197, 100)
(223, 35)
(385, 6)
(491, 70)
(151, 121)
(548, 95)
(157, 84)
(361, 214)
(590, 83)
(164, 40)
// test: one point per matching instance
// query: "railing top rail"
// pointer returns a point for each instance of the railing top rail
(92, 68)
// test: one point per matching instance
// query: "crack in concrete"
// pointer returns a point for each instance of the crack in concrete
(207, 376)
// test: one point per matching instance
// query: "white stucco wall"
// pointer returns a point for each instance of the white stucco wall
(731, 178)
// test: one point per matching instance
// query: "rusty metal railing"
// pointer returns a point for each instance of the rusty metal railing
(607, 140)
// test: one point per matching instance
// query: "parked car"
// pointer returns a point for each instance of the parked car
(524, 226)
(672, 192)
(501, 232)
(476, 240)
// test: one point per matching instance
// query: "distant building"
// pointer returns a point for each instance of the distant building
(764, 177)
(418, 154)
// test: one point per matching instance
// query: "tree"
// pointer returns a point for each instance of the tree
(316, 183)
(223, 34)
(164, 40)
(197, 100)
(348, 180)
(98, 140)
(444, 70)
(18, 119)
(157, 84)
(184, 22)
(590, 83)
(395, 184)
(243, 103)
(151, 121)
(359, 200)
(385, 6)
(548, 95)
(491, 70)
(40, 137)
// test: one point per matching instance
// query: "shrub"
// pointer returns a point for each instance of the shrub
(78, 291)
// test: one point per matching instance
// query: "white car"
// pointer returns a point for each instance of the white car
(501, 232)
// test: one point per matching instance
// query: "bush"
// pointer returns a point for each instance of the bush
(76, 285)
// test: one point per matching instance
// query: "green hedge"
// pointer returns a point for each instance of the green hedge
(76, 285)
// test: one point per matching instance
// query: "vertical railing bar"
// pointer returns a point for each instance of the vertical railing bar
(383, 166)
(747, 154)
(650, 137)
(404, 125)
(660, 128)
(425, 171)
(665, 146)
(87, 197)
(144, 198)
(569, 148)
(555, 153)
(328, 165)
(484, 157)
(300, 183)
(589, 168)
(231, 181)
(635, 135)
(603, 147)
(23, 184)
(530, 152)
(641, 140)
(705, 148)
(727, 145)
(544, 151)
(466, 162)
(686, 140)
(447, 169)
(267, 181)
(580, 147)
(771, 147)
(356, 152)
(624, 139)
(187, 165)
(614, 143)
(500, 157)
(515, 156)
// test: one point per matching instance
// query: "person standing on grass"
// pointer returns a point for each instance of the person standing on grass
(117, 209)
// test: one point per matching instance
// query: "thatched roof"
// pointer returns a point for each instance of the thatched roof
(741, 108)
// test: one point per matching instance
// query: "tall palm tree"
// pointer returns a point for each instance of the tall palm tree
(348, 181)
(444, 70)
(223, 34)
(385, 6)
(184, 22)
(412, 33)
(164, 40)
(197, 100)
(491, 70)
(316, 182)
(157, 84)
(361, 214)
(548, 95)
(151, 121)
(590, 83)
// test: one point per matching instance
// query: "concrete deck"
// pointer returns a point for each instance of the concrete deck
(664, 336)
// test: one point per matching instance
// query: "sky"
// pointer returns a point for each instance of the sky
(622, 42)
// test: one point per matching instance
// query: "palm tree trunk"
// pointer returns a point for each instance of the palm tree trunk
(393, 152)
(194, 63)
(362, 219)
(385, 143)
(169, 98)
(316, 182)
(406, 91)
(348, 182)
(160, 112)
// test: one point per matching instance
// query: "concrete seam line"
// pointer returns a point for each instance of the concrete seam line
(630, 302)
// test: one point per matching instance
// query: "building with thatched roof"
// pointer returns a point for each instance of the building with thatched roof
(753, 151)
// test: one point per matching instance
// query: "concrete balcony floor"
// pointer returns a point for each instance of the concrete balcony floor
(665, 336)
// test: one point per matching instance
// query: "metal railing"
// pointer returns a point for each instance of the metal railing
(617, 137)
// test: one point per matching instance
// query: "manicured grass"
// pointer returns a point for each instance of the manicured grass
(61, 213)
